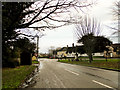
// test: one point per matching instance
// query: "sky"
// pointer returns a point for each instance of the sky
(61, 37)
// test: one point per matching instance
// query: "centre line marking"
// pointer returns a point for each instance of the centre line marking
(103, 85)
(72, 72)
(59, 81)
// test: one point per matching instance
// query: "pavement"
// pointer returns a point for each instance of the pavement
(53, 74)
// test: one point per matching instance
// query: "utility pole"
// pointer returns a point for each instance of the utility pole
(37, 45)
(38, 42)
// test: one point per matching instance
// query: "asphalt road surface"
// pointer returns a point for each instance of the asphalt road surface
(55, 74)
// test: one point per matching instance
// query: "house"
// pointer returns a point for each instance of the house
(62, 52)
(75, 50)
(113, 50)
(70, 51)
(98, 54)
(43, 55)
(66, 51)
(81, 52)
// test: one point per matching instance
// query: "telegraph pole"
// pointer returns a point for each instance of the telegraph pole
(37, 44)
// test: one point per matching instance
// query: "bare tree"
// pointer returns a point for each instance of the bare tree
(51, 13)
(86, 31)
(116, 9)
(87, 26)
(40, 15)
(116, 13)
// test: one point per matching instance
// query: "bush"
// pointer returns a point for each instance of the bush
(14, 63)
(11, 62)
(10, 57)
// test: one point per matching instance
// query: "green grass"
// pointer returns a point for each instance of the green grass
(35, 62)
(84, 57)
(13, 77)
(110, 64)
(98, 57)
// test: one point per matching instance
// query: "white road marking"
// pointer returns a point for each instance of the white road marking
(103, 84)
(41, 65)
(59, 80)
(71, 72)
(62, 63)
(67, 64)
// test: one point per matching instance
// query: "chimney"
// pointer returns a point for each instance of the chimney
(73, 45)
(67, 46)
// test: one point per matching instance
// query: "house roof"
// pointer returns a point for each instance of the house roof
(63, 49)
(116, 45)
(79, 49)
(72, 49)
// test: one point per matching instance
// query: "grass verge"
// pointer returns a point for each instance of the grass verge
(110, 64)
(13, 77)
(35, 62)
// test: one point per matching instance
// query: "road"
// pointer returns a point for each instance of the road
(55, 74)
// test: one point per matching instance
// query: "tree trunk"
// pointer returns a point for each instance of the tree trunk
(106, 57)
(90, 57)
(76, 57)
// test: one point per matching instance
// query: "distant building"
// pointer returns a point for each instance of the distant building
(72, 51)
(43, 55)
(113, 50)
(98, 54)
(62, 52)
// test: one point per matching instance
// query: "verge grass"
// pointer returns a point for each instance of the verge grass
(35, 62)
(110, 64)
(13, 77)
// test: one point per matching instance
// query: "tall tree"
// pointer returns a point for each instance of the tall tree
(89, 43)
(25, 45)
(11, 18)
(39, 15)
(116, 21)
(100, 43)
(117, 13)
(26, 14)
(42, 14)
(88, 33)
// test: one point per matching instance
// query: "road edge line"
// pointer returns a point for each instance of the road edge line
(103, 84)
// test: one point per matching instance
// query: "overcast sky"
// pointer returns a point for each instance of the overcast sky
(64, 36)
